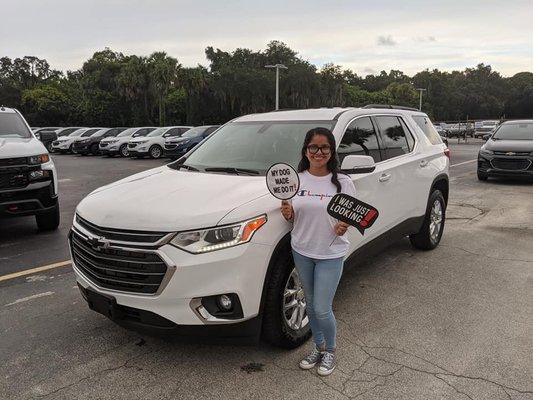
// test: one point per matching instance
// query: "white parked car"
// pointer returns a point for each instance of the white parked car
(152, 144)
(119, 144)
(200, 247)
(28, 177)
(65, 144)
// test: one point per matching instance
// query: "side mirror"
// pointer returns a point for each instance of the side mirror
(353, 164)
(486, 137)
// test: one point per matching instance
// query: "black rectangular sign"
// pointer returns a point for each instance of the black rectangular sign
(354, 212)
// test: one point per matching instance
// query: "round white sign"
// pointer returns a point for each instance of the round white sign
(282, 181)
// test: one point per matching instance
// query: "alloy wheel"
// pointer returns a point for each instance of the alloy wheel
(294, 306)
(435, 224)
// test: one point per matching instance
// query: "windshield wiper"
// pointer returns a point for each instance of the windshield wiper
(187, 167)
(232, 170)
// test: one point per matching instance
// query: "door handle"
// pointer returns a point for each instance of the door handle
(424, 163)
(384, 177)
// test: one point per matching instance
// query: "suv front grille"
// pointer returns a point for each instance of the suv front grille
(10, 162)
(13, 179)
(509, 164)
(121, 234)
(136, 271)
(170, 146)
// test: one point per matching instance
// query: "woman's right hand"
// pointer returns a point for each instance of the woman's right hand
(286, 210)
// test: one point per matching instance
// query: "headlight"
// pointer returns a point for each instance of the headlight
(141, 142)
(112, 141)
(486, 152)
(205, 240)
(40, 159)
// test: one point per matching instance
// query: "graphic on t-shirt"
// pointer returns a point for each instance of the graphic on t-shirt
(352, 211)
(282, 181)
(308, 193)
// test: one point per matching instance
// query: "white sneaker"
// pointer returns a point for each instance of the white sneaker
(327, 364)
(312, 359)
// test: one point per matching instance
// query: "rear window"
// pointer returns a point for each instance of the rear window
(12, 125)
(429, 130)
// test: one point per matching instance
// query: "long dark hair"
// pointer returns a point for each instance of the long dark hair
(333, 163)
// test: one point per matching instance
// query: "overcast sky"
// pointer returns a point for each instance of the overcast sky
(365, 36)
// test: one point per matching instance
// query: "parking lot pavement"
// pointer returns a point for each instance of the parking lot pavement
(453, 323)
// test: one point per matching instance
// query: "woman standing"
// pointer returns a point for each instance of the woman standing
(318, 242)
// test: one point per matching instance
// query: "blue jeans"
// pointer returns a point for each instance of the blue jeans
(320, 279)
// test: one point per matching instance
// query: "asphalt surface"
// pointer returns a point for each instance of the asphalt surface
(453, 323)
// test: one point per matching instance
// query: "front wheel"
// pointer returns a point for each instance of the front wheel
(49, 220)
(430, 234)
(124, 150)
(94, 150)
(482, 176)
(285, 321)
(156, 151)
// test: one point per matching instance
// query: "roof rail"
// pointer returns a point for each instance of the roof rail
(390, 106)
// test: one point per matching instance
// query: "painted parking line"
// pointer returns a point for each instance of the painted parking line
(34, 270)
(462, 163)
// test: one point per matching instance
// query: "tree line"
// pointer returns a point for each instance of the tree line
(113, 89)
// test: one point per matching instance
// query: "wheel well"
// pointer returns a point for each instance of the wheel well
(284, 245)
(442, 185)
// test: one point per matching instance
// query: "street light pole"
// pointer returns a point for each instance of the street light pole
(420, 103)
(277, 66)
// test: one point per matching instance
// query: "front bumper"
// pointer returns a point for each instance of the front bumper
(174, 151)
(138, 150)
(505, 166)
(109, 150)
(60, 146)
(34, 199)
(189, 278)
(81, 148)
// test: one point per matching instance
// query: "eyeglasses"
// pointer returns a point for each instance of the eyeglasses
(313, 149)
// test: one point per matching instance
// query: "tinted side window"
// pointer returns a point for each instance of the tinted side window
(393, 137)
(429, 130)
(408, 135)
(360, 139)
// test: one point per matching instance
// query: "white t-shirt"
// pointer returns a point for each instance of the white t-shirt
(313, 229)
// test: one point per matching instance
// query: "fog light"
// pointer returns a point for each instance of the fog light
(225, 303)
(39, 174)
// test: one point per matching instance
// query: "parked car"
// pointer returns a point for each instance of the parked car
(486, 127)
(46, 135)
(508, 152)
(199, 246)
(175, 147)
(119, 144)
(90, 145)
(28, 178)
(153, 143)
(65, 144)
(67, 131)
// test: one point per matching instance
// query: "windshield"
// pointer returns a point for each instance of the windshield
(157, 132)
(128, 132)
(490, 123)
(89, 132)
(12, 125)
(514, 132)
(79, 132)
(194, 132)
(254, 145)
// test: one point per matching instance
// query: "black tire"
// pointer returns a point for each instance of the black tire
(482, 176)
(71, 149)
(48, 221)
(155, 151)
(123, 150)
(275, 329)
(94, 149)
(424, 240)
(49, 147)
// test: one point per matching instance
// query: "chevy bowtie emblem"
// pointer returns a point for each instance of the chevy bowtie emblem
(98, 243)
(510, 153)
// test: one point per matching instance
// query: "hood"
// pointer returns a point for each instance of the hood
(509, 145)
(18, 147)
(175, 139)
(167, 200)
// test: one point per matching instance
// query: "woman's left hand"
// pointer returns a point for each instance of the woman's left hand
(341, 228)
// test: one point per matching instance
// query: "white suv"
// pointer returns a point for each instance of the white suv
(152, 144)
(111, 146)
(199, 246)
